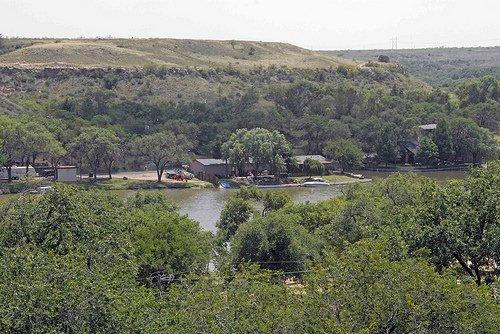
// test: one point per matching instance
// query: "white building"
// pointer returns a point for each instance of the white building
(17, 172)
(66, 174)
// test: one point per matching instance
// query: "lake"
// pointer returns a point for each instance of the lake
(205, 205)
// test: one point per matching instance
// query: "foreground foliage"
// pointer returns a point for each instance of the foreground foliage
(404, 255)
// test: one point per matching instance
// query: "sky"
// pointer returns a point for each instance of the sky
(313, 24)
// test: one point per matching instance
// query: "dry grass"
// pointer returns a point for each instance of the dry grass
(164, 52)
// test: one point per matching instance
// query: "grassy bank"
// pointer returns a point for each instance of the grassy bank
(334, 178)
(120, 184)
(19, 186)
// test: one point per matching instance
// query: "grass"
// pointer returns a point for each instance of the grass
(334, 178)
(163, 52)
(497, 137)
(120, 184)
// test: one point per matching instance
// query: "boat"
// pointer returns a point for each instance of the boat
(315, 184)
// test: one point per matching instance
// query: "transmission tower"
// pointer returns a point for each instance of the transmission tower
(394, 43)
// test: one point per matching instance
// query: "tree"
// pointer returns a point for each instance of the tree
(313, 167)
(162, 149)
(96, 146)
(112, 152)
(276, 241)
(387, 147)
(36, 141)
(478, 91)
(443, 138)
(236, 211)
(459, 222)
(68, 266)
(274, 200)
(383, 59)
(165, 241)
(471, 143)
(428, 152)
(486, 115)
(345, 152)
(11, 134)
(316, 130)
(257, 147)
(374, 288)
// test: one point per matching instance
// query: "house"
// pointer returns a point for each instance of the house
(66, 174)
(411, 148)
(207, 169)
(301, 158)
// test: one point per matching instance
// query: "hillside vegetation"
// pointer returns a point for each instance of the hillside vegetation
(161, 52)
(436, 65)
(375, 106)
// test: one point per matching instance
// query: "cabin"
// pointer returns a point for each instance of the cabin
(207, 169)
(66, 174)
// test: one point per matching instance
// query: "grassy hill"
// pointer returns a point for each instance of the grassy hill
(436, 65)
(207, 90)
(162, 52)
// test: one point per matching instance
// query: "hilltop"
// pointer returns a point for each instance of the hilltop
(128, 53)
(437, 66)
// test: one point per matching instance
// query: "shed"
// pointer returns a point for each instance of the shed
(66, 174)
(209, 168)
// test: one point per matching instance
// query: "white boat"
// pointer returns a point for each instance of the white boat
(315, 184)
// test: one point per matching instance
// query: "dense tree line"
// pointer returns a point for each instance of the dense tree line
(405, 254)
(379, 108)
(28, 141)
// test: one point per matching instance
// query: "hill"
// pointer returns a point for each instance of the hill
(161, 52)
(198, 88)
(437, 66)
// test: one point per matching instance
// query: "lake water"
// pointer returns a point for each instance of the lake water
(205, 205)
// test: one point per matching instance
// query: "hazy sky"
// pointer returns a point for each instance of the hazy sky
(317, 24)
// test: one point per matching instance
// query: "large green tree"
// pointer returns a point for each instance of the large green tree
(460, 222)
(345, 152)
(11, 135)
(162, 149)
(96, 147)
(258, 147)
